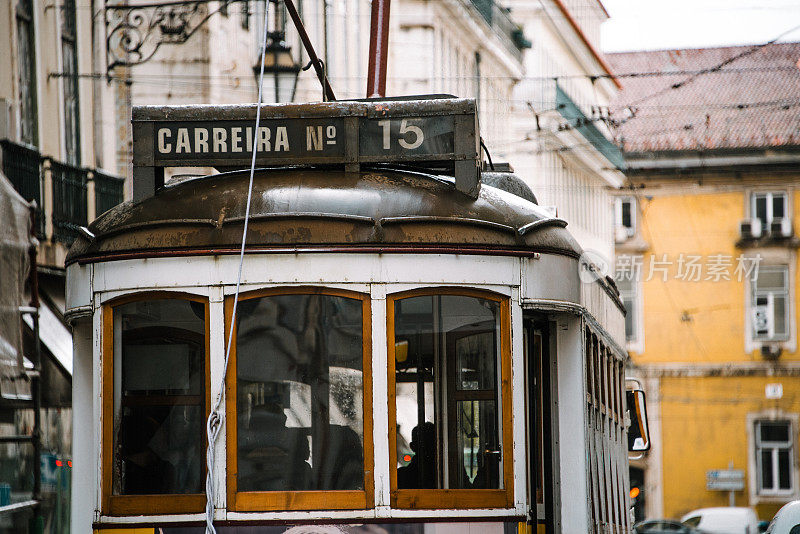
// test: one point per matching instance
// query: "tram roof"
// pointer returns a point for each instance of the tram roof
(377, 209)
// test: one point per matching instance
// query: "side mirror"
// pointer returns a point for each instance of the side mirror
(638, 432)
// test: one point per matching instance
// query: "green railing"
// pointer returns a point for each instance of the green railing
(69, 201)
(586, 127)
(497, 18)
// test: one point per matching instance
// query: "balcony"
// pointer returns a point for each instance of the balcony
(586, 127)
(67, 197)
(509, 31)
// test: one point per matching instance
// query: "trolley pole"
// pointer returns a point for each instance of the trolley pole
(378, 48)
(319, 68)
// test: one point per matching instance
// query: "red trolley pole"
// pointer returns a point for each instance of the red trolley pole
(378, 48)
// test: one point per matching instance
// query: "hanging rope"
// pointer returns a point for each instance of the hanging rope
(215, 418)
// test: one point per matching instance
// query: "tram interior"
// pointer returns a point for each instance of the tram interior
(299, 376)
(160, 405)
(446, 369)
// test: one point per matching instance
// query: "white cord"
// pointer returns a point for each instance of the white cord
(214, 423)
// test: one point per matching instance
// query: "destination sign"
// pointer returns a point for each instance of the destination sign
(423, 136)
(440, 131)
(235, 139)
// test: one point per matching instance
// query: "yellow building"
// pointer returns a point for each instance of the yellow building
(706, 261)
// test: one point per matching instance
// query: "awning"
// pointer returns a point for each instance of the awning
(55, 336)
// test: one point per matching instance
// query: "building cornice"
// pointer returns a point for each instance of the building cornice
(706, 160)
(730, 369)
(597, 56)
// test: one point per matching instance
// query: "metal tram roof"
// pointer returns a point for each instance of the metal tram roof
(344, 191)
(307, 209)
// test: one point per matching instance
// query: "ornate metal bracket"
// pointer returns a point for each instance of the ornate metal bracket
(134, 32)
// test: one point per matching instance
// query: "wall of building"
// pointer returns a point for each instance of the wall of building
(707, 319)
(706, 373)
(559, 163)
(705, 426)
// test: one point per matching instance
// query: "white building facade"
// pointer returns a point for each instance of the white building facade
(561, 141)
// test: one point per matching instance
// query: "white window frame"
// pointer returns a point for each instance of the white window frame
(636, 342)
(619, 201)
(770, 295)
(769, 196)
(779, 496)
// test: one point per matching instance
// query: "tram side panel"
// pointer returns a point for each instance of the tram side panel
(85, 440)
(589, 454)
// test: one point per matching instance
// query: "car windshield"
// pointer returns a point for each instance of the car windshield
(692, 521)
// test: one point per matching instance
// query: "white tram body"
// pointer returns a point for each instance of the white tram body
(370, 299)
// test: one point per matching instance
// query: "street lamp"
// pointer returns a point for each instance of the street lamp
(280, 68)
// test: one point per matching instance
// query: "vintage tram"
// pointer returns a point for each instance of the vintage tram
(411, 350)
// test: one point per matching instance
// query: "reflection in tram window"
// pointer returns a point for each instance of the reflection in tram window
(299, 363)
(159, 397)
(447, 353)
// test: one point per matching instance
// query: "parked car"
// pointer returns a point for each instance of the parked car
(663, 526)
(787, 520)
(728, 520)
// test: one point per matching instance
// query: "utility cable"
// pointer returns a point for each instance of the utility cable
(716, 68)
(215, 418)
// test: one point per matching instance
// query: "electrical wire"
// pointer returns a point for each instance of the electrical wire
(630, 74)
(716, 68)
(215, 418)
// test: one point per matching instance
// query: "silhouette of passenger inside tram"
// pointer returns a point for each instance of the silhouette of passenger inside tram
(272, 457)
(420, 472)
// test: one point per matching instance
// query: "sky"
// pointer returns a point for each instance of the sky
(665, 24)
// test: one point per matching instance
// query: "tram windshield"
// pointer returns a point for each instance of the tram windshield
(447, 355)
(300, 393)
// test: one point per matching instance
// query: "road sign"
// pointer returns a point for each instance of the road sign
(725, 480)
(773, 391)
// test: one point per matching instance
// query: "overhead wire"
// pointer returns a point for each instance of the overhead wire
(716, 68)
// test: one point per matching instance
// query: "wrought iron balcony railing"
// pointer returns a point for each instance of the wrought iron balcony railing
(63, 193)
(23, 167)
(69, 201)
(108, 192)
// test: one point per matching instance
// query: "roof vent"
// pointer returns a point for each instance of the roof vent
(508, 182)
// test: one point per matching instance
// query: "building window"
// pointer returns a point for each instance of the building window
(70, 79)
(299, 425)
(449, 413)
(770, 310)
(245, 15)
(27, 73)
(774, 457)
(627, 293)
(625, 217)
(154, 423)
(768, 207)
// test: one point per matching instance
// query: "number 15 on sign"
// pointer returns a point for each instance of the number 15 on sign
(411, 136)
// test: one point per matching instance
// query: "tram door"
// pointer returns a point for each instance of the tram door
(538, 403)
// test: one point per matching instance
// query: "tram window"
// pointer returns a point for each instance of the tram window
(158, 376)
(447, 397)
(299, 396)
